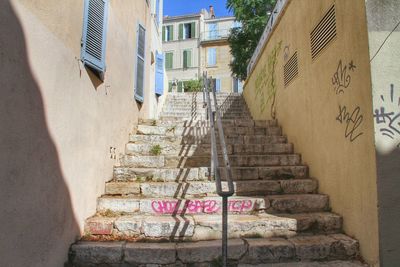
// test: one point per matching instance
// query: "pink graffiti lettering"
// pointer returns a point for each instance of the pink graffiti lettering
(199, 206)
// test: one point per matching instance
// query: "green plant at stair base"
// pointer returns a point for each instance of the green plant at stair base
(154, 123)
(155, 150)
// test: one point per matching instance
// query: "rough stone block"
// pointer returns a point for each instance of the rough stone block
(283, 172)
(303, 186)
(122, 188)
(129, 225)
(99, 225)
(208, 251)
(147, 253)
(96, 253)
(260, 187)
(115, 204)
(143, 161)
(167, 226)
(268, 250)
(312, 247)
(297, 203)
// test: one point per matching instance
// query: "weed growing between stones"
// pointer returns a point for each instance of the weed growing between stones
(156, 150)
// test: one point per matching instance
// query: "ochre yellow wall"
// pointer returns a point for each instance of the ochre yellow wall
(58, 122)
(222, 69)
(308, 109)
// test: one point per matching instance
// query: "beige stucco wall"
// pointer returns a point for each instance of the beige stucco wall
(309, 109)
(58, 122)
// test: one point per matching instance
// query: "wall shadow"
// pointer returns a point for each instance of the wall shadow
(388, 170)
(38, 223)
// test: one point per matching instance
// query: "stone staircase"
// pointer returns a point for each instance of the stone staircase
(161, 208)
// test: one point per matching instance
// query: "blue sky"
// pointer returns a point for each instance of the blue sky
(181, 7)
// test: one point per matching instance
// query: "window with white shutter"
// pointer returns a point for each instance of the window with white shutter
(94, 36)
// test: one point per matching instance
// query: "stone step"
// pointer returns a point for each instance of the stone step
(204, 132)
(204, 149)
(298, 251)
(201, 174)
(206, 188)
(290, 203)
(247, 123)
(190, 227)
(204, 161)
(273, 204)
(174, 206)
(229, 139)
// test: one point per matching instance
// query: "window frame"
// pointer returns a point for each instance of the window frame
(208, 57)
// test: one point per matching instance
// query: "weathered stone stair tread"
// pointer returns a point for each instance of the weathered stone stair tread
(122, 173)
(328, 250)
(191, 227)
(297, 203)
(171, 205)
(187, 123)
(205, 149)
(203, 161)
(229, 139)
(205, 131)
(204, 188)
(309, 264)
(274, 204)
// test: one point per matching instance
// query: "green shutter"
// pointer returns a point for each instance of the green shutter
(184, 59)
(171, 33)
(188, 58)
(193, 29)
(180, 87)
(170, 87)
(180, 31)
(169, 57)
(163, 33)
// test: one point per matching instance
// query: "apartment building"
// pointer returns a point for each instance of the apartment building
(195, 43)
(75, 78)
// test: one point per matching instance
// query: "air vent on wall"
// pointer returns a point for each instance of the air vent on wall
(291, 69)
(323, 33)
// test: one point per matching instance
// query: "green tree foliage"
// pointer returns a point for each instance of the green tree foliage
(192, 86)
(253, 15)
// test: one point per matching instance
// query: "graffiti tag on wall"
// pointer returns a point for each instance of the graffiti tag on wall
(200, 206)
(389, 118)
(266, 81)
(341, 78)
(352, 118)
(352, 121)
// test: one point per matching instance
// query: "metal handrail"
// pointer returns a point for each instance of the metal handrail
(215, 172)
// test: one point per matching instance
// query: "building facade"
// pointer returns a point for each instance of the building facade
(75, 78)
(195, 43)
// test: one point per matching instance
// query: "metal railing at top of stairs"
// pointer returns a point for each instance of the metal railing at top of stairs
(214, 117)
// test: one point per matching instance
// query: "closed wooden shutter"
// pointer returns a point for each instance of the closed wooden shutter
(193, 30)
(159, 88)
(170, 33)
(139, 89)
(187, 58)
(94, 35)
(180, 31)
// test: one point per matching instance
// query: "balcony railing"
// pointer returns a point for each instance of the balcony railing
(215, 35)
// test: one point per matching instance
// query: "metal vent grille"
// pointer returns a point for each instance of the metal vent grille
(323, 33)
(291, 69)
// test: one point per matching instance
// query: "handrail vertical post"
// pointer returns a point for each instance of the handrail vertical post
(224, 231)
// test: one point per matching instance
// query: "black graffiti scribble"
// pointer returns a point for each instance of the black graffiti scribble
(352, 67)
(341, 80)
(391, 120)
(353, 121)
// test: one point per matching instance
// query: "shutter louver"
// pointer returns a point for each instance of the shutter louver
(180, 31)
(139, 90)
(193, 30)
(159, 90)
(94, 34)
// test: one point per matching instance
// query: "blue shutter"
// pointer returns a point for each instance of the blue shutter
(94, 35)
(140, 60)
(212, 31)
(217, 85)
(159, 73)
(212, 56)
